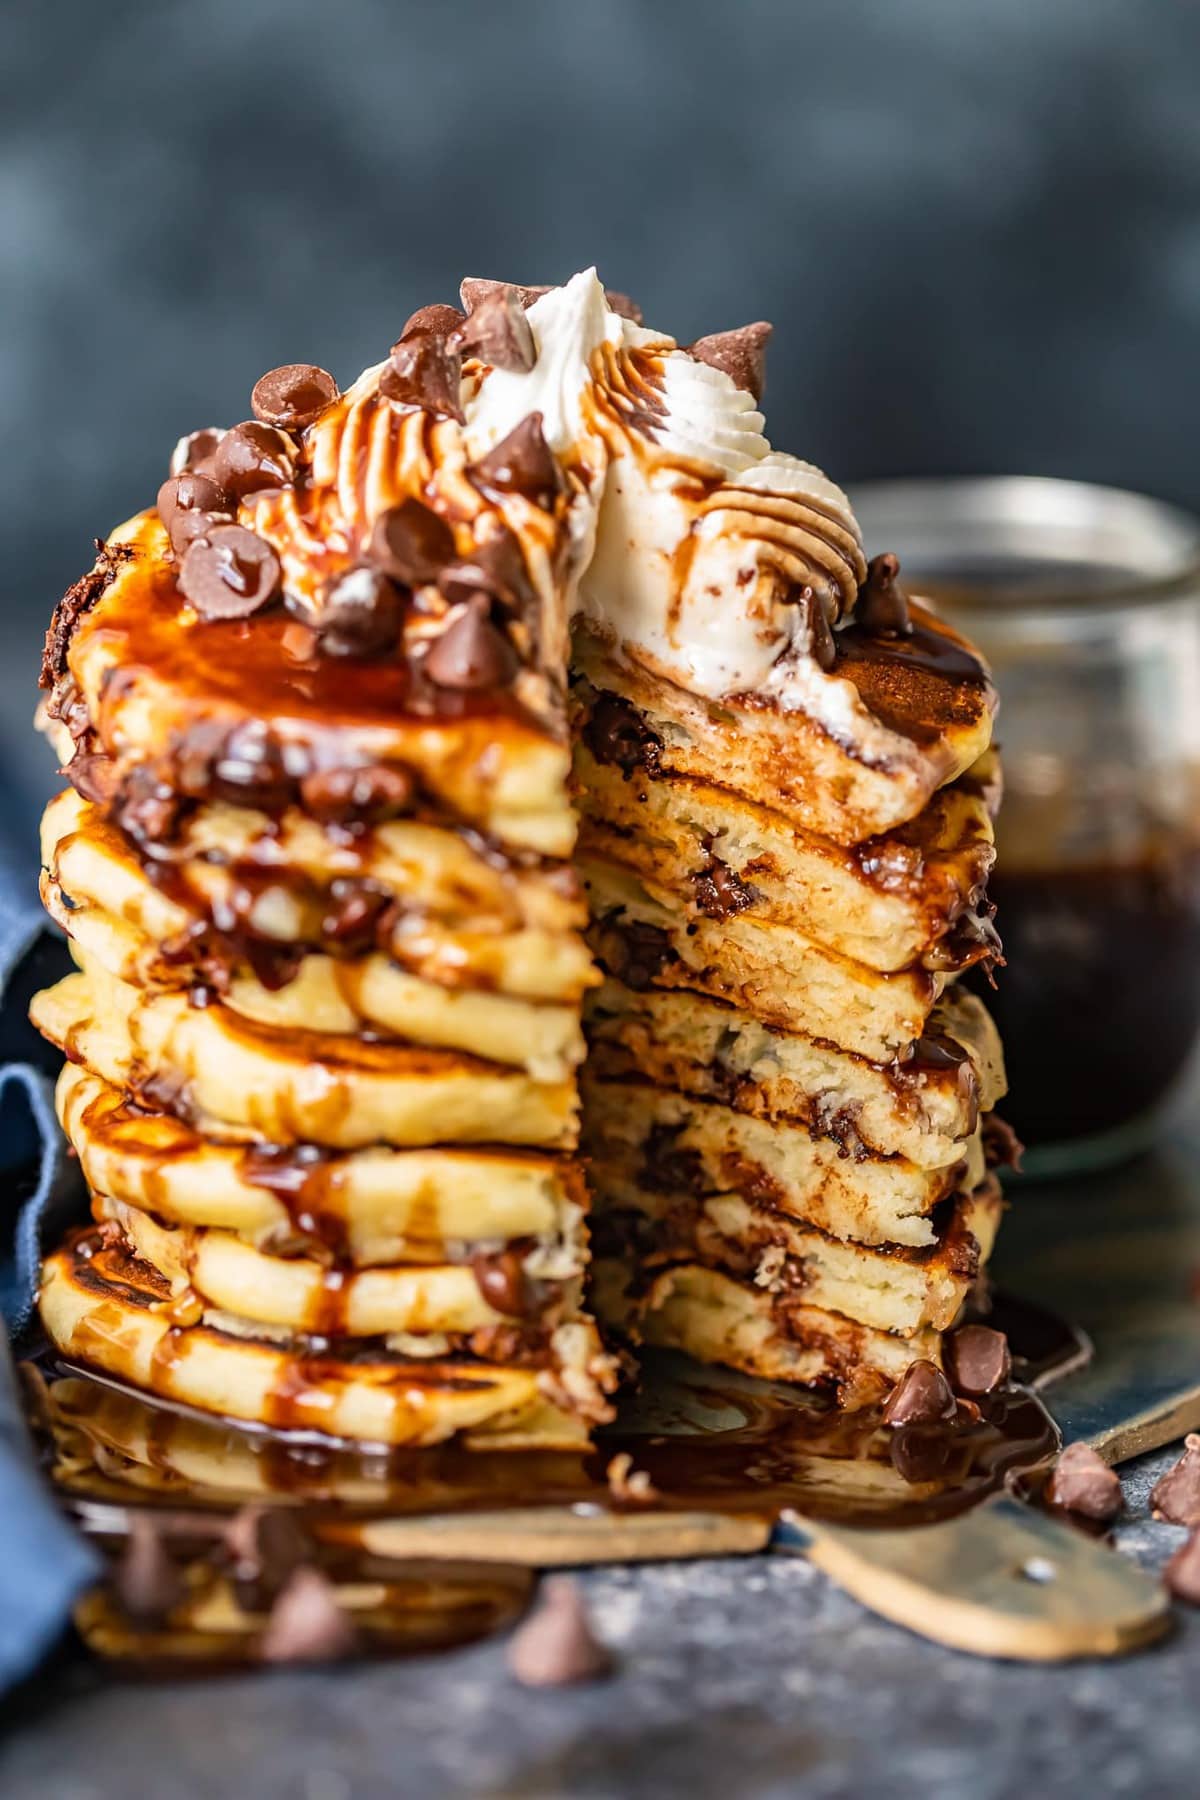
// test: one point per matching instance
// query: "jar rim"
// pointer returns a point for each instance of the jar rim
(1071, 546)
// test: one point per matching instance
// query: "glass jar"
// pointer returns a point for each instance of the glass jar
(1086, 602)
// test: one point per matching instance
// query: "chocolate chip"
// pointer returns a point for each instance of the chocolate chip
(500, 1278)
(475, 290)
(740, 354)
(251, 458)
(186, 527)
(247, 768)
(1002, 1148)
(882, 605)
(521, 463)
(352, 918)
(669, 1167)
(924, 1453)
(148, 1582)
(1083, 1483)
(922, 1396)
(644, 952)
(1175, 1496)
(190, 492)
(496, 566)
(359, 614)
(623, 305)
(439, 320)
(820, 637)
(412, 543)
(266, 1545)
(497, 332)
(229, 574)
(615, 732)
(719, 892)
(307, 1624)
(425, 370)
(556, 1644)
(342, 796)
(293, 395)
(472, 652)
(1182, 1572)
(196, 449)
(977, 1359)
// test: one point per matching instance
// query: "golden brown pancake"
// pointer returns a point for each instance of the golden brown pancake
(359, 1208)
(103, 1307)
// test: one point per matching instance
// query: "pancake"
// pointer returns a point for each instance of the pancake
(225, 921)
(912, 896)
(642, 936)
(891, 1289)
(104, 1308)
(914, 714)
(291, 1087)
(639, 1136)
(363, 1207)
(717, 1319)
(203, 707)
(924, 1109)
(308, 1297)
(345, 996)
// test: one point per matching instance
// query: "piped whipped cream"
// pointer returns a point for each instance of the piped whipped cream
(688, 543)
(700, 539)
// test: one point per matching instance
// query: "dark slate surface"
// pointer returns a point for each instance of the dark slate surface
(753, 1678)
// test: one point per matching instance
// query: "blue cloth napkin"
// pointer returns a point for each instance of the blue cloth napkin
(44, 1563)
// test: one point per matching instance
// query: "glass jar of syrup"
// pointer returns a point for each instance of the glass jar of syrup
(1086, 602)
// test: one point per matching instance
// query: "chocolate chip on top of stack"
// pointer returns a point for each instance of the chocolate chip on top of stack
(313, 864)
(318, 861)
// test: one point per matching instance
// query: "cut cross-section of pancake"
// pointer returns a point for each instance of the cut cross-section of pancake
(362, 1208)
(641, 1137)
(291, 1087)
(107, 1308)
(912, 896)
(718, 1319)
(924, 1107)
(892, 1288)
(643, 936)
(902, 719)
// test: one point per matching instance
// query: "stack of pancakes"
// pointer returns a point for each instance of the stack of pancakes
(317, 866)
(322, 1041)
(786, 1093)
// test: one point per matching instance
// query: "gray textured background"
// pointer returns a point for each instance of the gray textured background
(976, 226)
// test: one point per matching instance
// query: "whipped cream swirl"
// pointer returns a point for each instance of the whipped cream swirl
(702, 537)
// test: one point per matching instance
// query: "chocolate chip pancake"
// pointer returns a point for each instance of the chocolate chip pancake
(356, 1208)
(105, 1307)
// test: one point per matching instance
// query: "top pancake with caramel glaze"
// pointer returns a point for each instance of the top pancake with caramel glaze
(247, 709)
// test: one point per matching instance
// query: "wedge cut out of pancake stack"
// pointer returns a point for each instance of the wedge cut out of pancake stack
(323, 1037)
(318, 865)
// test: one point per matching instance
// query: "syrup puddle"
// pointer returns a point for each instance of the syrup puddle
(693, 1439)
